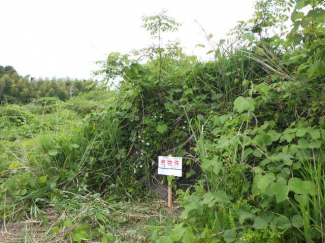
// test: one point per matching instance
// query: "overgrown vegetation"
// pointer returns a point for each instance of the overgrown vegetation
(15, 89)
(249, 124)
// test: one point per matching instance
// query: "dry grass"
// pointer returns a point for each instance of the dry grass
(129, 224)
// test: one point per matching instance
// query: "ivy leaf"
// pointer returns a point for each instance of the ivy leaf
(162, 128)
(244, 104)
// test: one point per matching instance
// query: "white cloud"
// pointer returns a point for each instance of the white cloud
(65, 37)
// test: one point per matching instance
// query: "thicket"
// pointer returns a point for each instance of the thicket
(16, 89)
(249, 125)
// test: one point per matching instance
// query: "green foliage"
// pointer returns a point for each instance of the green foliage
(249, 125)
(17, 89)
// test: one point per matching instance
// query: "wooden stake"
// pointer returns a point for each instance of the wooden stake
(170, 191)
(170, 195)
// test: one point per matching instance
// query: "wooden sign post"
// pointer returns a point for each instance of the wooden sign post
(170, 166)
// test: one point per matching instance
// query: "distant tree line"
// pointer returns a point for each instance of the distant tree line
(23, 89)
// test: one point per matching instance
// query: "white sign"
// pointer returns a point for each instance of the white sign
(170, 166)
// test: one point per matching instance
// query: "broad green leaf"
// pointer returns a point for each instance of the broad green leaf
(67, 223)
(262, 88)
(261, 221)
(283, 222)
(310, 187)
(53, 151)
(244, 214)
(297, 221)
(302, 187)
(296, 15)
(301, 132)
(222, 197)
(257, 170)
(264, 181)
(177, 233)
(280, 191)
(244, 104)
(285, 157)
(303, 143)
(101, 229)
(274, 135)
(303, 199)
(55, 229)
(14, 165)
(188, 236)
(257, 153)
(288, 135)
(188, 208)
(188, 91)
(230, 236)
(208, 198)
(262, 139)
(217, 166)
(314, 144)
(162, 128)
(104, 239)
(42, 179)
(166, 239)
(126, 105)
(301, 4)
(23, 192)
(314, 133)
(248, 37)
(296, 185)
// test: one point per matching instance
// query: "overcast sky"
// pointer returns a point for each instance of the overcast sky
(47, 38)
